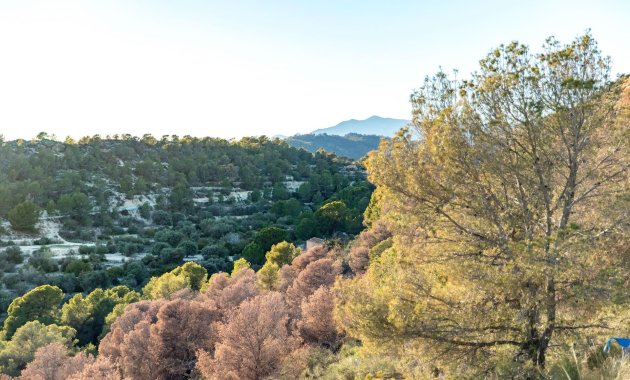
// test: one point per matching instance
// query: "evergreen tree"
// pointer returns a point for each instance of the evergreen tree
(500, 212)
(39, 304)
(24, 216)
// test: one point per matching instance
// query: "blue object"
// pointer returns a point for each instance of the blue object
(623, 342)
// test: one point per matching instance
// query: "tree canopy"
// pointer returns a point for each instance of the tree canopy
(24, 216)
(40, 304)
(502, 206)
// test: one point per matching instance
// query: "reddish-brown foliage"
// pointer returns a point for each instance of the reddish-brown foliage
(228, 293)
(359, 252)
(183, 328)
(53, 362)
(316, 274)
(252, 343)
(101, 369)
(137, 360)
(313, 254)
(159, 339)
(358, 258)
(317, 325)
(287, 275)
(133, 315)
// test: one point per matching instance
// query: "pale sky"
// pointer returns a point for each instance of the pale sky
(234, 68)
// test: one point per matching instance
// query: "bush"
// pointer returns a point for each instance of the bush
(43, 241)
(65, 281)
(5, 300)
(95, 279)
(5, 265)
(14, 255)
(214, 250)
(76, 266)
(162, 218)
(145, 210)
(216, 265)
(43, 261)
(178, 217)
(112, 247)
(173, 238)
(87, 249)
(158, 247)
(171, 256)
(101, 249)
(188, 247)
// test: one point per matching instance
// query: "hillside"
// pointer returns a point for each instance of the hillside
(352, 145)
(111, 206)
(375, 125)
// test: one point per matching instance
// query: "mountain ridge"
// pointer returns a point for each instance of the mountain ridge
(374, 125)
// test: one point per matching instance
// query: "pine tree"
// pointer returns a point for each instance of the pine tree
(24, 216)
(502, 211)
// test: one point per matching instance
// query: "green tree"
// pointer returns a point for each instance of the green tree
(255, 251)
(94, 279)
(40, 304)
(86, 314)
(171, 256)
(161, 218)
(239, 265)
(180, 198)
(290, 207)
(282, 253)
(165, 286)
(306, 226)
(51, 206)
(280, 192)
(196, 274)
(24, 216)
(76, 205)
(173, 238)
(76, 266)
(255, 196)
(249, 179)
(332, 217)
(501, 212)
(20, 350)
(268, 276)
(188, 276)
(188, 247)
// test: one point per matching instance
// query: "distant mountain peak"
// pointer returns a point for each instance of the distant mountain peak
(374, 125)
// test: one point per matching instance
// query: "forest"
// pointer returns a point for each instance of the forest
(488, 240)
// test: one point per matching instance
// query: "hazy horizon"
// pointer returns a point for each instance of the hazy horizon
(61, 138)
(247, 68)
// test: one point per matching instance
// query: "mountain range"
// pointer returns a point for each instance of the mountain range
(351, 138)
(375, 125)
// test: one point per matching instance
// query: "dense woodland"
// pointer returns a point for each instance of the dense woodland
(102, 212)
(494, 245)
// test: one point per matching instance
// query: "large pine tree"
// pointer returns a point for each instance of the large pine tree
(509, 213)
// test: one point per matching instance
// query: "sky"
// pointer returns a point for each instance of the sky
(247, 67)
